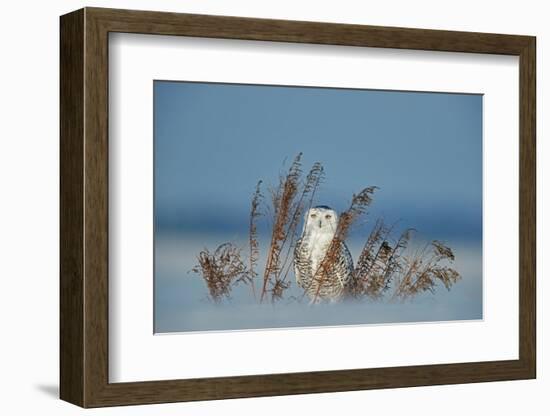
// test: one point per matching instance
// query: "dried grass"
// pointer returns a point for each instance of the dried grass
(283, 201)
(289, 200)
(422, 271)
(379, 262)
(221, 270)
(254, 246)
(384, 261)
(358, 206)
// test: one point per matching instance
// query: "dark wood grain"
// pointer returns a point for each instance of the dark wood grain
(96, 208)
(71, 100)
(84, 207)
(162, 23)
(527, 208)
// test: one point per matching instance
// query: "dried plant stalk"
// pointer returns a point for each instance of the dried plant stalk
(312, 182)
(377, 268)
(221, 270)
(367, 256)
(380, 265)
(423, 271)
(394, 263)
(283, 199)
(359, 204)
(253, 244)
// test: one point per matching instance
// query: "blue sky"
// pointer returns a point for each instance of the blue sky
(214, 141)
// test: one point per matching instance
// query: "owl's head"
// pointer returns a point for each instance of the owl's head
(321, 219)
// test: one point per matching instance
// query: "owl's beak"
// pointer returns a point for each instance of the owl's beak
(320, 223)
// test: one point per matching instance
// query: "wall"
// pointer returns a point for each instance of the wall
(29, 212)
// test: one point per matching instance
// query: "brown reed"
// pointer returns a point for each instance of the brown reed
(382, 263)
(254, 246)
(358, 206)
(221, 270)
(289, 200)
(379, 262)
(422, 271)
(283, 198)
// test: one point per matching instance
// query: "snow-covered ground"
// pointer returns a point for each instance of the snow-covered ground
(181, 301)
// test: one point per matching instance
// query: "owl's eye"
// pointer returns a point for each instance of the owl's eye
(313, 215)
(328, 216)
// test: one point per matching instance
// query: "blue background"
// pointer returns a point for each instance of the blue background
(213, 142)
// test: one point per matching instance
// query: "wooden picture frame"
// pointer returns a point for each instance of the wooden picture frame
(84, 207)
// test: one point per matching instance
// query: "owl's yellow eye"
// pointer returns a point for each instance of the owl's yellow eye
(328, 216)
(313, 215)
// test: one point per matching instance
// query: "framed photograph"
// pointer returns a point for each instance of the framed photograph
(255, 207)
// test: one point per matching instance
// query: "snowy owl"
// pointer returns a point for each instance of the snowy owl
(319, 228)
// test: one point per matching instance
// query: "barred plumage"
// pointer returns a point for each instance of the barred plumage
(319, 228)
